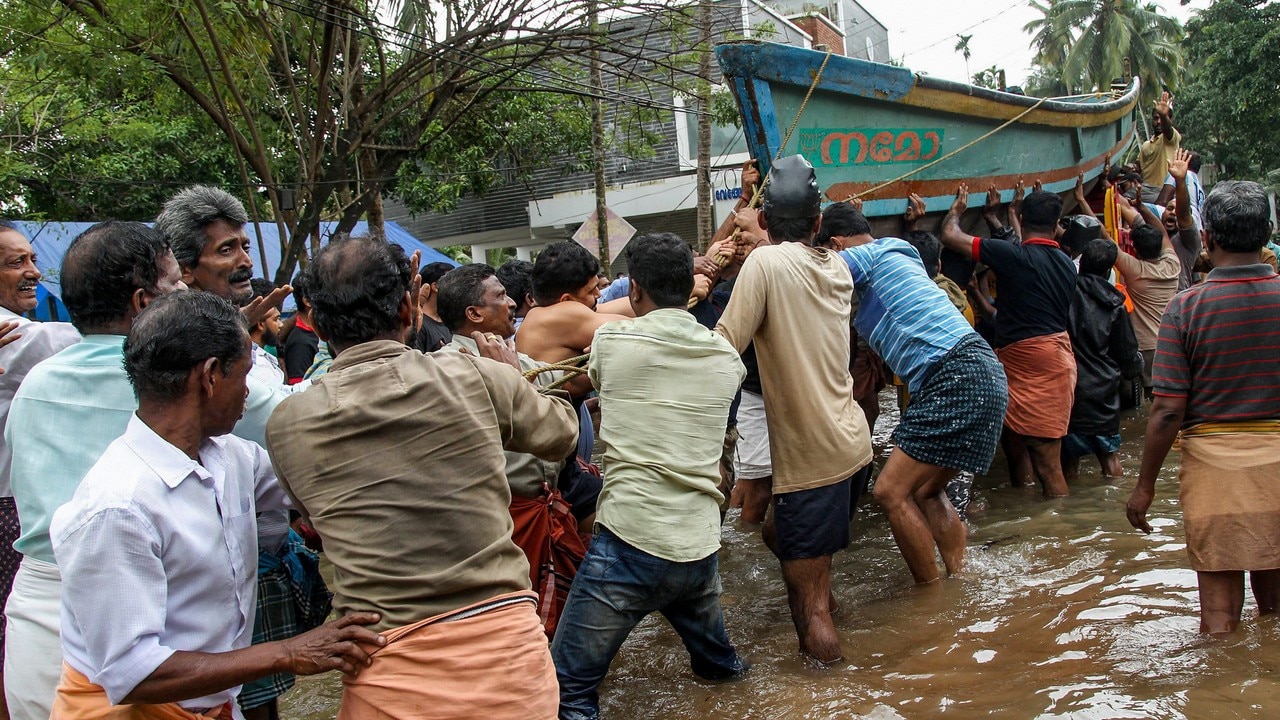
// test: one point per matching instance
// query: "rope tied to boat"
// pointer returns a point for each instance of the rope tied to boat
(949, 155)
(757, 195)
(572, 368)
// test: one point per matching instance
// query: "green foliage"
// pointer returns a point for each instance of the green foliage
(988, 78)
(1081, 46)
(81, 143)
(506, 139)
(1231, 109)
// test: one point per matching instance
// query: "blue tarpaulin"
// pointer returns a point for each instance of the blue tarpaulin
(51, 240)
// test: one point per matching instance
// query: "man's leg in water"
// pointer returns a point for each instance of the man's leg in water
(1046, 459)
(808, 527)
(698, 619)
(1266, 589)
(1110, 464)
(1021, 472)
(896, 491)
(756, 495)
(1221, 599)
(808, 593)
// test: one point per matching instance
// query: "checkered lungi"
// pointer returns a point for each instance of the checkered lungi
(954, 420)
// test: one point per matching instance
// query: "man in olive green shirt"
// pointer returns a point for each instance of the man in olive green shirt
(666, 384)
(397, 458)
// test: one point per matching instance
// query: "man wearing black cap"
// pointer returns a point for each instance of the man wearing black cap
(794, 301)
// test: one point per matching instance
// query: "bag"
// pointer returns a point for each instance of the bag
(547, 532)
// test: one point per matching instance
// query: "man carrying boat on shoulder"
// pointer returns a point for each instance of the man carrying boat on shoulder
(1037, 283)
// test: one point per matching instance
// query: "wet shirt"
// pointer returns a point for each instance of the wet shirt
(158, 555)
(299, 351)
(795, 303)
(665, 383)
(1154, 156)
(433, 335)
(1218, 347)
(905, 317)
(526, 474)
(1037, 283)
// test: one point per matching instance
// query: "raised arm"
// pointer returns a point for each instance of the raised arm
(991, 210)
(1081, 200)
(915, 211)
(1164, 108)
(1178, 167)
(746, 309)
(952, 236)
(750, 179)
(1015, 208)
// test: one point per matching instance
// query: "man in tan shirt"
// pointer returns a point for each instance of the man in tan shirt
(1151, 280)
(794, 301)
(397, 459)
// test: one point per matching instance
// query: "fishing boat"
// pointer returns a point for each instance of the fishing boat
(881, 132)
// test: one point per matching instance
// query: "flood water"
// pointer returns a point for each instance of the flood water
(1063, 611)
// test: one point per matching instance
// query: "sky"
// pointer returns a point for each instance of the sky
(922, 33)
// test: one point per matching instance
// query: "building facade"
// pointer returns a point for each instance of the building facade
(657, 192)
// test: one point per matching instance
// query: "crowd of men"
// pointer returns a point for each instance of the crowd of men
(176, 456)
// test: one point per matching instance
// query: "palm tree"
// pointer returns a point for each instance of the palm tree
(1048, 39)
(962, 47)
(1086, 41)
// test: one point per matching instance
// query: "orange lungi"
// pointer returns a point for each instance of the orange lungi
(475, 663)
(1042, 385)
(80, 699)
(1230, 495)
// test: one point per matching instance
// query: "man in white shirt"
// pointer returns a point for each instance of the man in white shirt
(158, 543)
(32, 343)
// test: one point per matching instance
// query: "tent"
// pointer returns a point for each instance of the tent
(51, 240)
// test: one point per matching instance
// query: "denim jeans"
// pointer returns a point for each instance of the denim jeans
(616, 587)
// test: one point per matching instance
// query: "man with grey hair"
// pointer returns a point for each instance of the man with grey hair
(205, 227)
(70, 408)
(33, 342)
(1216, 380)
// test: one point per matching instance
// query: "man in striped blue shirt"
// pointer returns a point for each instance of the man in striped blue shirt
(958, 394)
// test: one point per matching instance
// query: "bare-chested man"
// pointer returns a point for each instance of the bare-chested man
(566, 291)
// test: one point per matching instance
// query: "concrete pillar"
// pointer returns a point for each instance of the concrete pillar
(477, 254)
(524, 253)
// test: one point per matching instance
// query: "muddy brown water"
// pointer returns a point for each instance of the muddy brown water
(1063, 611)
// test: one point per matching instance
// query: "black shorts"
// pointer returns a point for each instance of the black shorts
(812, 523)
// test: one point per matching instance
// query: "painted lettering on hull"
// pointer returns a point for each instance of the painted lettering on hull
(843, 147)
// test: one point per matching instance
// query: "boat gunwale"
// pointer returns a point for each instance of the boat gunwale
(755, 55)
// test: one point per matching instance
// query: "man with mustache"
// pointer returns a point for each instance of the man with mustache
(35, 342)
(205, 227)
(70, 408)
(474, 305)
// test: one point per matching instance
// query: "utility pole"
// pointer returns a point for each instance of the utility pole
(706, 224)
(597, 142)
